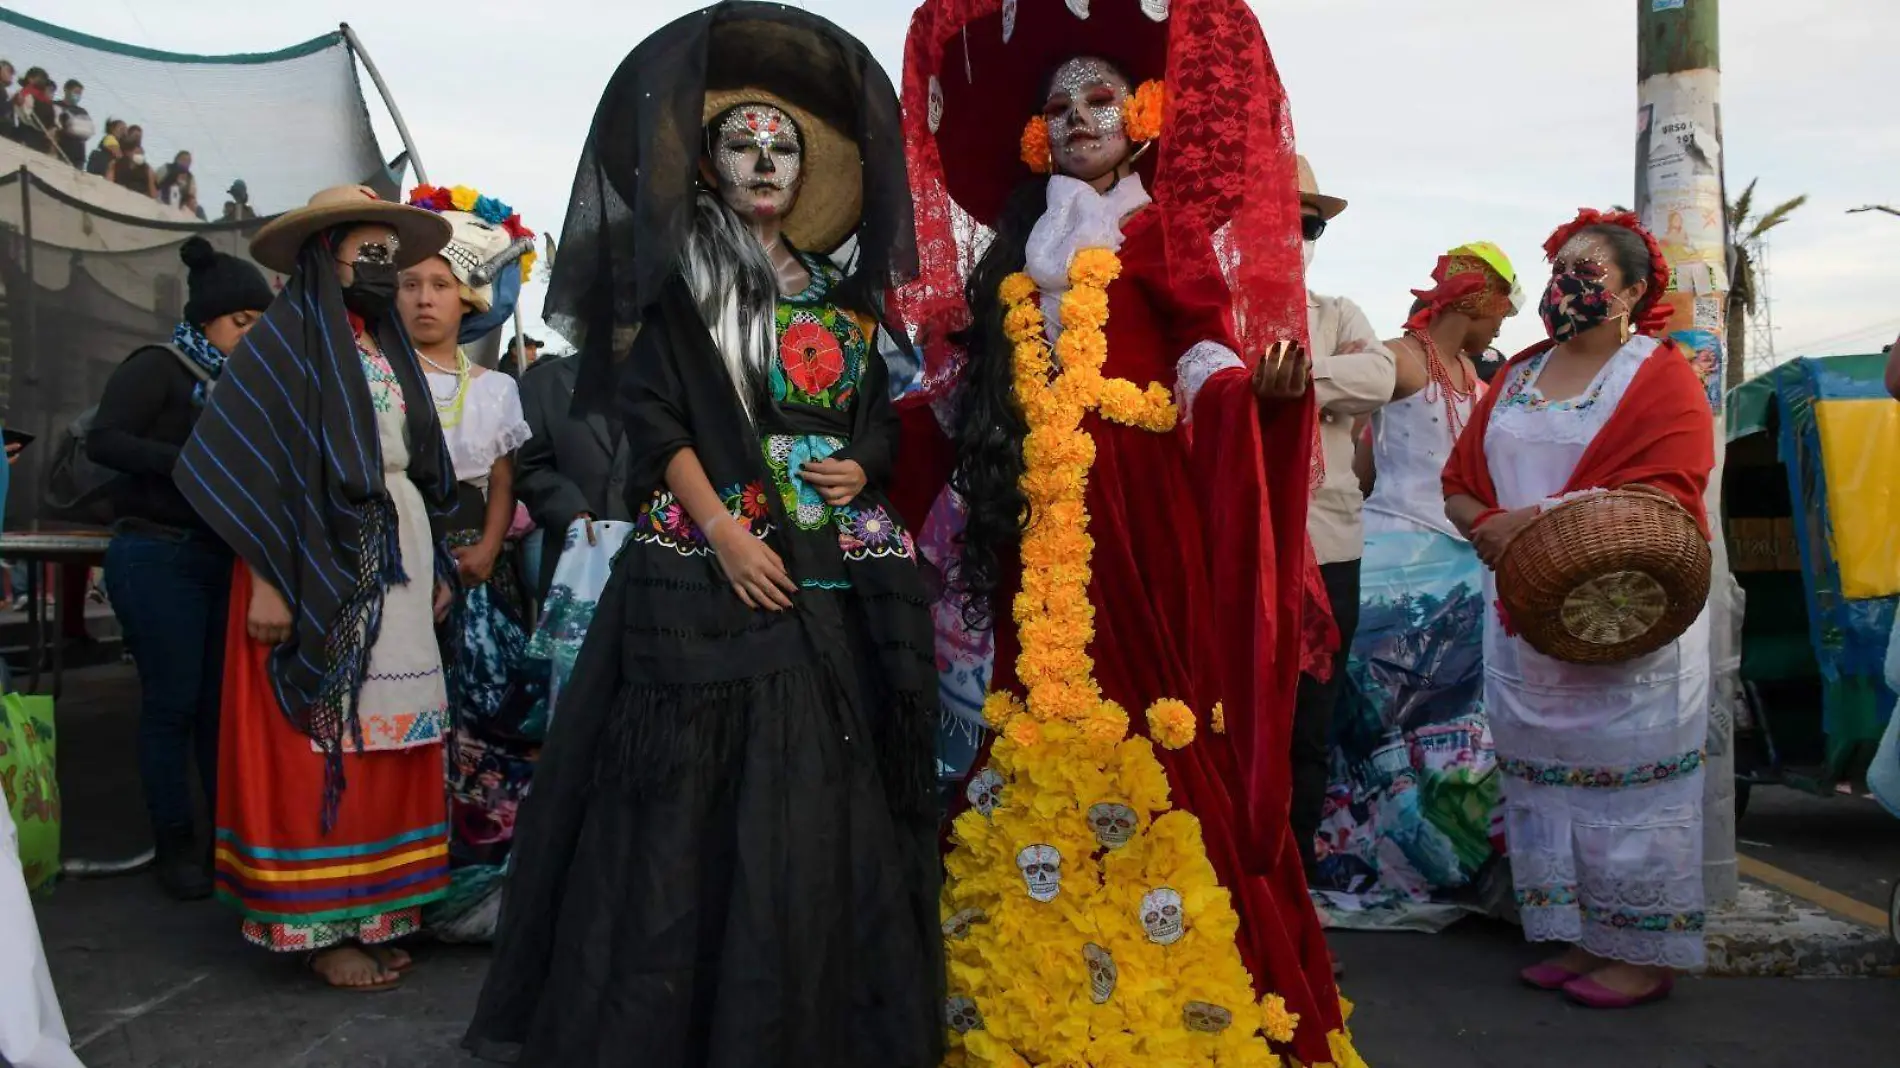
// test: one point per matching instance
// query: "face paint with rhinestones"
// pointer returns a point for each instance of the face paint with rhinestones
(758, 157)
(1578, 298)
(1087, 115)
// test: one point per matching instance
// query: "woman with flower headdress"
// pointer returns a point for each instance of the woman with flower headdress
(1409, 811)
(320, 461)
(728, 858)
(1120, 394)
(497, 702)
(1602, 763)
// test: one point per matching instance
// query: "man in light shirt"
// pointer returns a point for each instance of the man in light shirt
(1353, 375)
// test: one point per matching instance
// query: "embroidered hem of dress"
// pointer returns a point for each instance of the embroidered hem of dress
(1604, 778)
(286, 937)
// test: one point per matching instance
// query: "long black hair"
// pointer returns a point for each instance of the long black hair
(990, 425)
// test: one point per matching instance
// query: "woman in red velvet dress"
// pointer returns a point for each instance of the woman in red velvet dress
(1195, 553)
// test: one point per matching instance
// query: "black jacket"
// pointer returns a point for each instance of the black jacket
(570, 465)
(142, 422)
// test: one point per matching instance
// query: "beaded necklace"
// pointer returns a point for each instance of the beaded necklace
(449, 410)
(1441, 389)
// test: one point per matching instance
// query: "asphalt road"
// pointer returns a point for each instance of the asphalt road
(147, 983)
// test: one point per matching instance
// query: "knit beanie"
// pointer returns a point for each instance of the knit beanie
(220, 284)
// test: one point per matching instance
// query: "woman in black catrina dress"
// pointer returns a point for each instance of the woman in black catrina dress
(729, 857)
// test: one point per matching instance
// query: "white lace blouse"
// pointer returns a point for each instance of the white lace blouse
(491, 424)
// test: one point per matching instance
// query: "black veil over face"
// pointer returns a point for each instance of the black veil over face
(631, 207)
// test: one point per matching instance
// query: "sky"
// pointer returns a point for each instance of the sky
(1441, 122)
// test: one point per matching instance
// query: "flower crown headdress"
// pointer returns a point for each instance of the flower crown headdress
(1145, 108)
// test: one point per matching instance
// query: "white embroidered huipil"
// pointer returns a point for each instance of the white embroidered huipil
(1602, 764)
(1410, 445)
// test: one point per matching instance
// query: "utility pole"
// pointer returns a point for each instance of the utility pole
(1680, 196)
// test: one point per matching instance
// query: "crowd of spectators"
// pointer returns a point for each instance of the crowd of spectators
(49, 118)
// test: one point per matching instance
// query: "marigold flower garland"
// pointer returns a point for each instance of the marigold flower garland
(1056, 954)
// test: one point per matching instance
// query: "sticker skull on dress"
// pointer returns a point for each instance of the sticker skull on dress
(1041, 866)
(1102, 973)
(962, 1015)
(985, 791)
(1205, 1018)
(1112, 823)
(934, 112)
(957, 927)
(1163, 916)
(1009, 20)
(1155, 9)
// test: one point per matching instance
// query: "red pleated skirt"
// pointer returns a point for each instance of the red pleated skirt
(297, 887)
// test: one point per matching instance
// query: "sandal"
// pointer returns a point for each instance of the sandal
(392, 958)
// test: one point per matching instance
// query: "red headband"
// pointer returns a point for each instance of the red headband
(1468, 285)
(1655, 314)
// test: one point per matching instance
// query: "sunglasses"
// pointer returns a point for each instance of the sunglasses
(1311, 227)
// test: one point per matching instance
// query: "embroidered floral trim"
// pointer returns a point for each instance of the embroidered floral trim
(1520, 393)
(1691, 922)
(1604, 778)
(663, 520)
(871, 534)
(385, 389)
(1547, 897)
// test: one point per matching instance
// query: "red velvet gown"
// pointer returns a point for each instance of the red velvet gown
(1197, 587)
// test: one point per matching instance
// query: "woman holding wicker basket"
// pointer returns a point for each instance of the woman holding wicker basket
(1596, 650)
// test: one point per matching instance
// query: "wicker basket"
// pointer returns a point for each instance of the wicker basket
(1606, 578)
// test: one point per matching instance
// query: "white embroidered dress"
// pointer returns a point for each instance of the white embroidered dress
(1602, 764)
(1410, 445)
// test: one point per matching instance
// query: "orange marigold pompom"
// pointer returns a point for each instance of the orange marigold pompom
(1276, 1022)
(1145, 110)
(1035, 146)
(1171, 723)
(1218, 718)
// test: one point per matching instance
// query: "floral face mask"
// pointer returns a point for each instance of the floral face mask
(1578, 299)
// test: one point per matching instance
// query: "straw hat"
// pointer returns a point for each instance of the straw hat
(831, 191)
(1329, 207)
(421, 233)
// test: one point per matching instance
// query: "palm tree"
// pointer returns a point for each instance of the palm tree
(1744, 228)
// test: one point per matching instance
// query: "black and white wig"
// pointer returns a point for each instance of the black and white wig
(736, 289)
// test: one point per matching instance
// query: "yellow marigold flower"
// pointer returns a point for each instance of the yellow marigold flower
(1145, 110)
(1023, 731)
(1084, 309)
(463, 198)
(1094, 267)
(1171, 723)
(1016, 288)
(1345, 1010)
(999, 707)
(1021, 324)
(1080, 350)
(1276, 1022)
(1218, 720)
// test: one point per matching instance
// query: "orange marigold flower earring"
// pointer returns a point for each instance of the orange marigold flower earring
(1035, 146)
(1145, 110)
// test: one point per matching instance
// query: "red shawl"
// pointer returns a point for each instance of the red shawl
(1661, 435)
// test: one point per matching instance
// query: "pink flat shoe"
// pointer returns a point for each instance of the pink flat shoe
(1548, 976)
(1589, 993)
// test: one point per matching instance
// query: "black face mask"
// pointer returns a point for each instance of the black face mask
(373, 292)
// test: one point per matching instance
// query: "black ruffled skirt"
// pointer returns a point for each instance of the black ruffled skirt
(710, 871)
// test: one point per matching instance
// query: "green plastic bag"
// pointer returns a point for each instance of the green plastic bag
(29, 778)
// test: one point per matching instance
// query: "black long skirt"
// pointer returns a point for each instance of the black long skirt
(709, 871)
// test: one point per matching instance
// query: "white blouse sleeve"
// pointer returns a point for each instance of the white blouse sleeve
(492, 426)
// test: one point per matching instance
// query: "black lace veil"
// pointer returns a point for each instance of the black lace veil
(631, 207)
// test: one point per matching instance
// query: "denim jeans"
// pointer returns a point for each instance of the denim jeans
(170, 593)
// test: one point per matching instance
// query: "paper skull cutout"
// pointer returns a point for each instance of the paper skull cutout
(1042, 871)
(1205, 1018)
(957, 927)
(1155, 9)
(985, 791)
(1102, 973)
(935, 113)
(1163, 916)
(1009, 20)
(960, 1013)
(1113, 824)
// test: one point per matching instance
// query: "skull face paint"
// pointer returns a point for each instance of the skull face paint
(1112, 823)
(1087, 116)
(1041, 866)
(1102, 973)
(758, 157)
(1163, 916)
